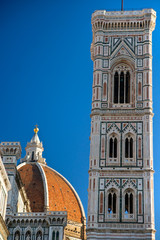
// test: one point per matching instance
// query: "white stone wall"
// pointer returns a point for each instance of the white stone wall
(4, 187)
(122, 43)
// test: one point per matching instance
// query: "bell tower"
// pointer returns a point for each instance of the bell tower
(120, 192)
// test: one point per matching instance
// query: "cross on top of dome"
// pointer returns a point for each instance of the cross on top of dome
(36, 129)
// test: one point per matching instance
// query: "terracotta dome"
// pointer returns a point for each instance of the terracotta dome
(48, 190)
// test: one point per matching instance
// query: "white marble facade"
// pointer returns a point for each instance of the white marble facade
(4, 188)
(120, 193)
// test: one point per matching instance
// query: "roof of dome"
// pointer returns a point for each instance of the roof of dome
(47, 189)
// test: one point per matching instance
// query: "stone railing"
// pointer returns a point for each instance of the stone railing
(123, 13)
(39, 214)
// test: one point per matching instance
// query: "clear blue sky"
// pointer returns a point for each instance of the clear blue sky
(46, 78)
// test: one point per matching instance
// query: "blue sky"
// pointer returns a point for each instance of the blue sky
(46, 78)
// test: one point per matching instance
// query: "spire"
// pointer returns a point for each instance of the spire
(35, 138)
(34, 149)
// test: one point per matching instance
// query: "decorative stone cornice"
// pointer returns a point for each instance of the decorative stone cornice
(124, 20)
(56, 218)
(10, 149)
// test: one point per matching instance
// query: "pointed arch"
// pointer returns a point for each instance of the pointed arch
(129, 204)
(112, 204)
(116, 87)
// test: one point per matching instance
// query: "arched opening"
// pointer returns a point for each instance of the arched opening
(129, 204)
(110, 147)
(53, 235)
(28, 235)
(115, 148)
(127, 89)
(17, 235)
(129, 147)
(109, 202)
(126, 147)
(39, 235)
(112, 202)
(32, 156)
(57, 235)
(113, 145)
(122, 85)
(116, 87)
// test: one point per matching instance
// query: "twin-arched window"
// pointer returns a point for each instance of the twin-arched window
(122, 87)
(55, 235)
(128, 203)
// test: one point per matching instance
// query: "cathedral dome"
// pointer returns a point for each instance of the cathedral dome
(48, 190)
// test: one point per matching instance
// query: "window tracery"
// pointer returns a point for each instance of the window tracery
(122, 85)
(112, 204)
(129, 204)
(129, 149)
(113, 148)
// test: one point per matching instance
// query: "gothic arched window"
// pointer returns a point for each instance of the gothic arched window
(28, 235)
(57, 235)
(39, 235)
(122, 87)
(116, 87)
(129, 147)
(32, 156)
(128, 202)
(127, 89)
(17, 235)
(112, 199)
(113, 147)
(53, 235)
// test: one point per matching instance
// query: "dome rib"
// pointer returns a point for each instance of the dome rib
(45, 185)
(33, 183)
(48, 190)
(70, 201)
